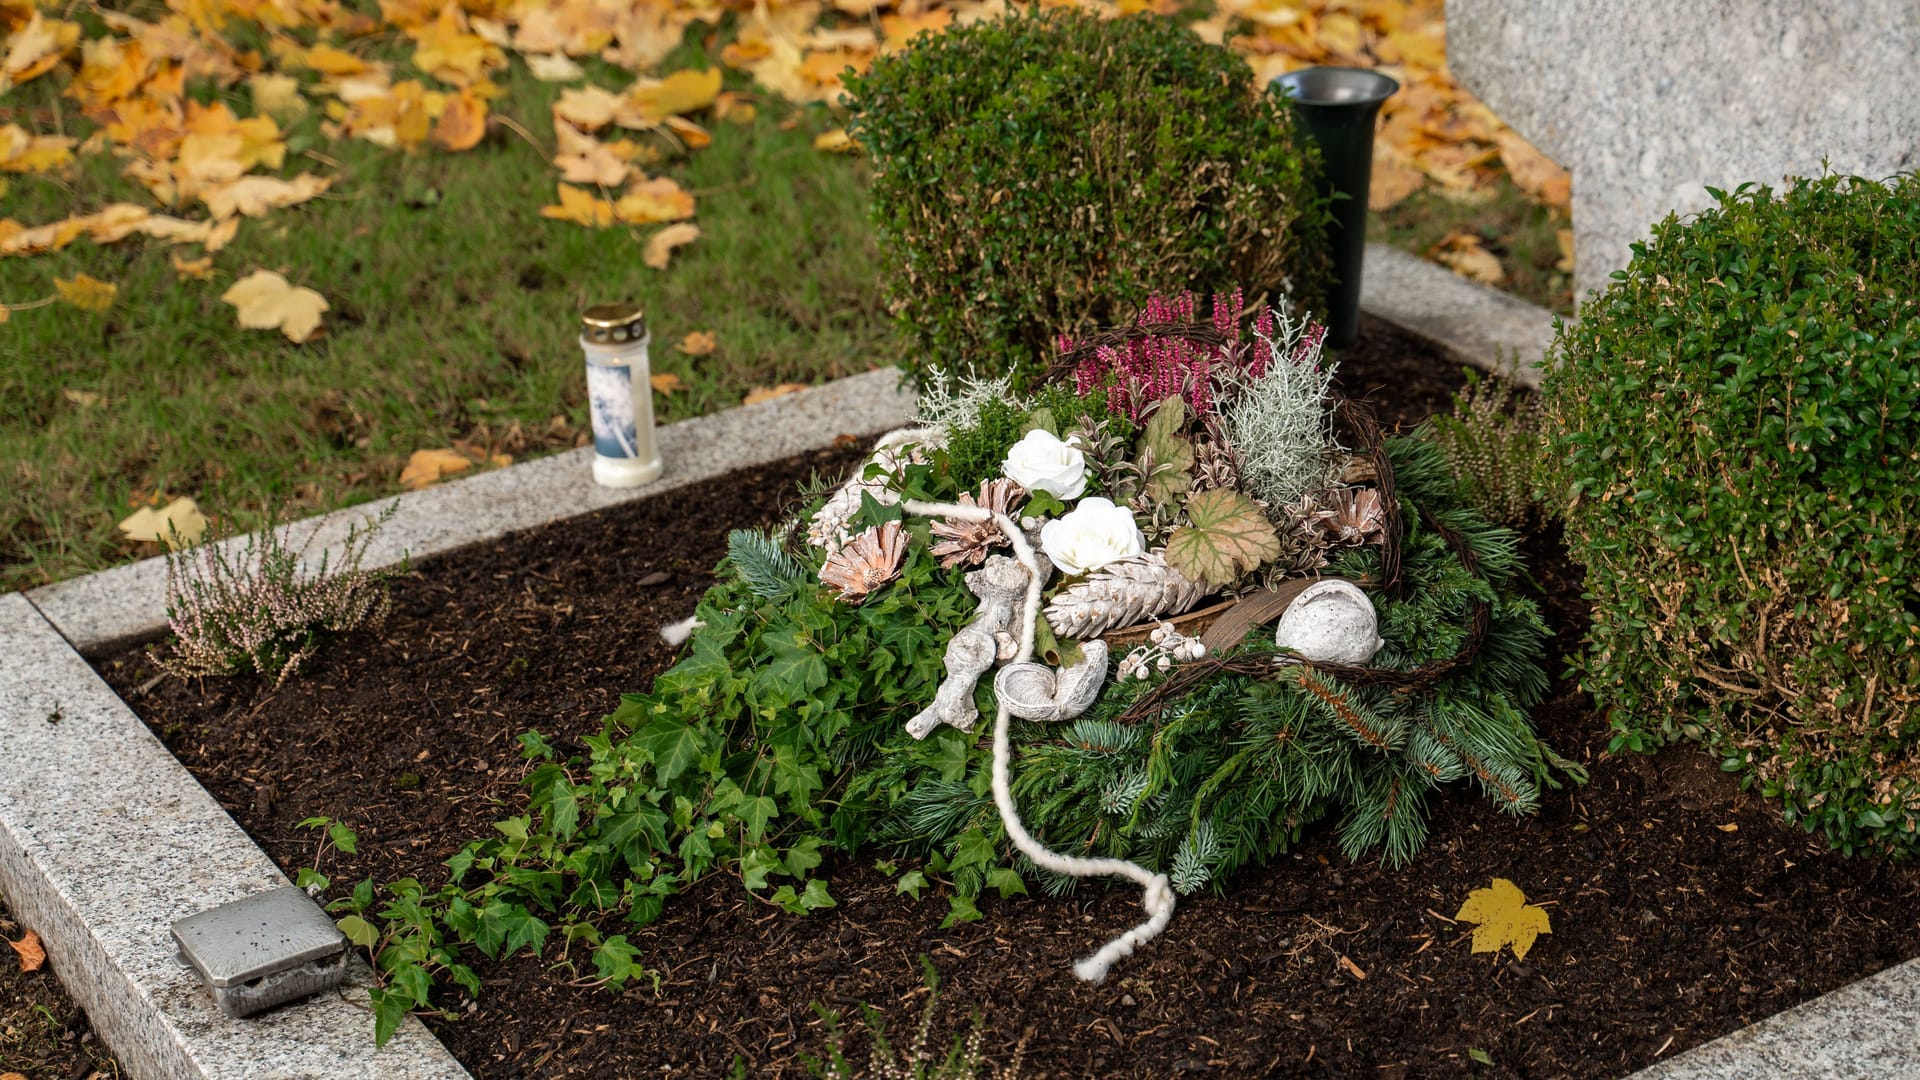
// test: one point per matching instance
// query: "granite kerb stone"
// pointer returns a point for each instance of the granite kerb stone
(105, 839)
(1475, 324)
(104, 611)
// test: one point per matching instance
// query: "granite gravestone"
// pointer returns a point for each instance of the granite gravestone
(1649, 104)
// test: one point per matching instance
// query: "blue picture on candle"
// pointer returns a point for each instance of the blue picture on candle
(610, 397)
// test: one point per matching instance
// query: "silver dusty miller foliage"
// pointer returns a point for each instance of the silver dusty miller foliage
(1279, 422)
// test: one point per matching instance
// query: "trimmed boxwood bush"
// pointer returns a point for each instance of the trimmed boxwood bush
(1045, 173)
(1735, 423)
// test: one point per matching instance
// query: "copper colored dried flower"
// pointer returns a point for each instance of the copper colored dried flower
(966, 543)
(1354, 516)
(866, 562)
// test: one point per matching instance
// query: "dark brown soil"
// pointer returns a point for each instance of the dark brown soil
(43, 1034)
(1682, 908)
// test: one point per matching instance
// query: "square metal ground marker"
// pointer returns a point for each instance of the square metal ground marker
(263, 950)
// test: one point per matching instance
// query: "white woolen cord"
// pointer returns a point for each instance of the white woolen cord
(1158, 898)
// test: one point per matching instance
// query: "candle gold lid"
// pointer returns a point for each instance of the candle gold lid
(613, 324)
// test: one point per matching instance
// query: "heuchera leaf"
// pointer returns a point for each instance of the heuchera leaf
(1166, 457)
(1226, 535)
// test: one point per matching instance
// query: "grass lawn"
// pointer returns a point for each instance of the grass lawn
(454, 316)
(453, 312)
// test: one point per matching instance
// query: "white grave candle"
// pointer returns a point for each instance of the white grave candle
(619, 395)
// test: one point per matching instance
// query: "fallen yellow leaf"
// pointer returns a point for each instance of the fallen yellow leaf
(1564, 237)
(449, 52)
(462, 123)
(425, 467)
(698, 343)
(1460, 251)
(588, 108)
(691, 135)
(1394, 178)
(734, 107)
(661, 245)
(86, 293)
(554, 67)
(767, 393)
(177, 524)
(31, 954)
(666, 383)
(648, 201)
(199, 269)
(836, 141)
(579, 206)
(277, 96)
(255, 195)
(35, 48)
(583, 159)
(1503, 917)
(681, 92)
(86, 399)
(267, 301)
(1534, 172)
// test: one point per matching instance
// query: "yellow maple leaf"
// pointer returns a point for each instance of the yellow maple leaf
(34, 49)
(448, 51)
(653, 100)
(255, 195)
(87, 293)
(266, 301)
(462, 123)
(1503, 917)
(666, 383)
(1461, 252)
(578, 205)
(330, 60)
(554, 67)
(16, 239)
(588, 108)
(836, 141)
(110, 69)
(661, 245)
(177, 524)
(698, 343)
(425, 467)
(583, 159)
(22, 151)
(734, 107)
(648, 201)
(116, 221)
(691, 135)
(277, 95)
(199, 269)
(1534, 172)
(767, 393)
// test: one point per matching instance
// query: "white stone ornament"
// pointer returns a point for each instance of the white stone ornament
(1000, 585)
(1038, 692)
(1330, 621)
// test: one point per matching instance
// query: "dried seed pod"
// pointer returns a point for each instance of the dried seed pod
(866, 562)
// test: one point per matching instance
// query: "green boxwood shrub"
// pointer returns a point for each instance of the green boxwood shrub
(1734, 423)
(1041, 174)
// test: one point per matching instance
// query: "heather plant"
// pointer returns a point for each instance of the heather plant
(257, 609)
(1041, 174)
(1493, 441)
(1734, 430)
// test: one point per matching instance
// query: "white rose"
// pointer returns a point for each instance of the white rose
(1041, 462)
(1090, 536)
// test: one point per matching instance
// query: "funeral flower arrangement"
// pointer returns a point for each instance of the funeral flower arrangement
(1204, 605)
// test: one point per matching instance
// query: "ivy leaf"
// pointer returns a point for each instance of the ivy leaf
(673, 745)
(1006, 881)
(1226, 535)
(1503, 917)
(359, 931)
(1166, 457)
(960, 909)
(389, 1008)
(614, 960)
(911, 883)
